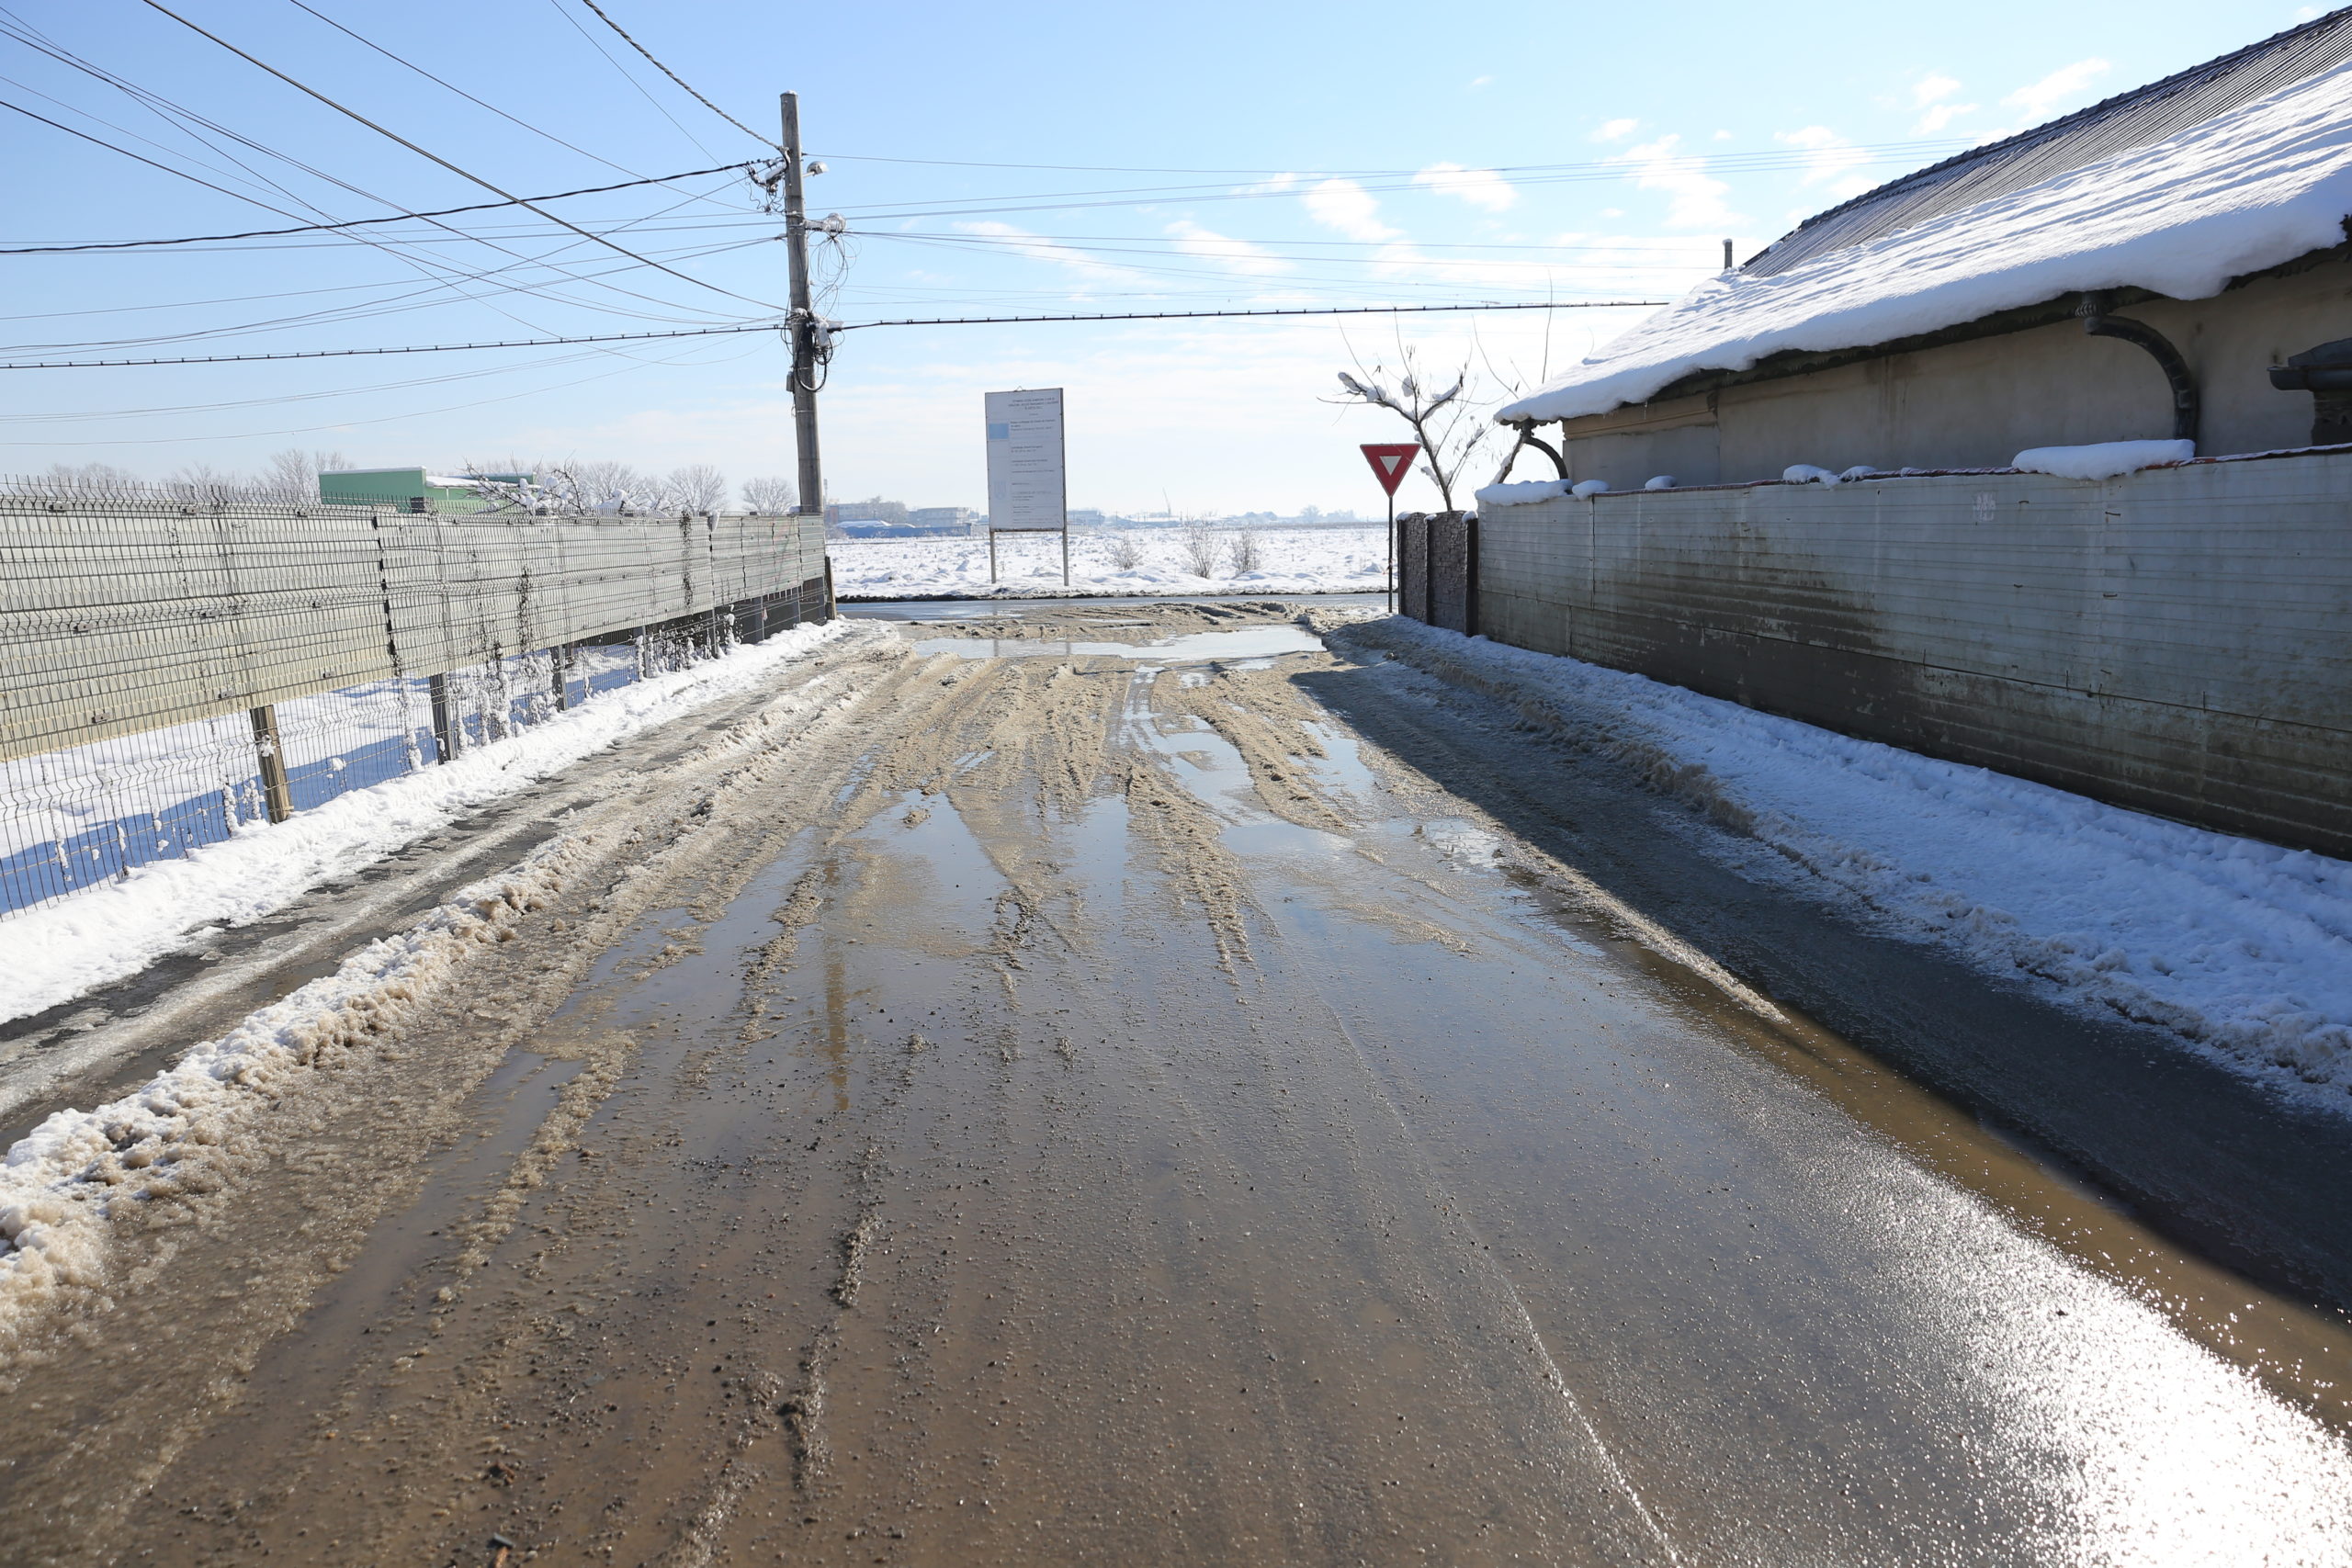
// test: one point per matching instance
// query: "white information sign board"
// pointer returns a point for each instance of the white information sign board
(1025, 483)
(1028, 492)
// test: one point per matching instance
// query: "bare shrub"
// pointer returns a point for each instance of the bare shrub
(1199, 547)
(1121, 549)
(1246, 550)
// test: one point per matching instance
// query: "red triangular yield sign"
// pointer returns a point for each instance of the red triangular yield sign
(1391, 464)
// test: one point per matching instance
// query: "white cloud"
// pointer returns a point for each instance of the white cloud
(1616, 130)
(1722, 136)
(1349, 208)
(1698, 197)
(1932, 94)
(1239, 255)
(1932, 88)
(1479, 187)
(2039, 100)
(1828, 159)
(1021, 242)
(1480, 80)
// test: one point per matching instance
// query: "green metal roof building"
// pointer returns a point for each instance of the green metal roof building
(410, 489)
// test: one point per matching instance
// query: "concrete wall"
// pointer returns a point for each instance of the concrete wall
(1978, 404)
(2178, 641)
(118, 617)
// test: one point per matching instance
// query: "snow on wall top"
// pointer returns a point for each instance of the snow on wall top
(2260, 185)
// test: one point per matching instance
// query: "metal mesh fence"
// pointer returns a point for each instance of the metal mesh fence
(176, 665)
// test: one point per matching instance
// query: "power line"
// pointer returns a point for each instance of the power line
(665, 71)
(151, 162)
(175, 114)
(1924, 144)
(347, 223)
(623, 72)
(435, 157)
(1270, 311)
(451, 87)
(847, 327)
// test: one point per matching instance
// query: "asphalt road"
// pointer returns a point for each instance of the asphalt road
(1136, 1088)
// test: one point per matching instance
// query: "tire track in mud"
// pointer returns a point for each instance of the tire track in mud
(575, 1295)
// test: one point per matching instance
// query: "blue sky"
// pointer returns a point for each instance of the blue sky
(1000, 159)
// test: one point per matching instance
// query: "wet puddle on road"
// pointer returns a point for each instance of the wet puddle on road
(1195, 647)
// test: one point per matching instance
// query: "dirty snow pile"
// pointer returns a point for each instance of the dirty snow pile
(2240, 946)
(2263, 184)
(58, 1180)
(57, 950)
(1116, 562)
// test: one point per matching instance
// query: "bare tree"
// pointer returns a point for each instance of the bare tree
(770, 495)
(91, 475)
(604, 485)
(696, 487)
(199, 481)
(1120, 545)
(1445, 424)
(291, 477)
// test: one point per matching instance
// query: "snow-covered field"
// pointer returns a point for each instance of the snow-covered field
(60, 950)
(1116, 562)
(2241, 947)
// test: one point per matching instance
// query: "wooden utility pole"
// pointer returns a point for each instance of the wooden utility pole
(804, 317)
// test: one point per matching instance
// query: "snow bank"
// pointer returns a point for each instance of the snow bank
(1658, 481)
(2266, 183)
(1806, 474)
(1156, 561)
(1520, 494)
(58, 950)
(1589, 487)
(2107, 460)
(59, 1182)
(2239, 946)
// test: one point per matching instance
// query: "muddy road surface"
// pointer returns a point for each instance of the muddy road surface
(1083, 1098)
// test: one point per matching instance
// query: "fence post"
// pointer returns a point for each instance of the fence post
(448, 738)
(560, 656)
(277, 794)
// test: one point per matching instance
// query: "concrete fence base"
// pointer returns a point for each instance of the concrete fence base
(2178, 640)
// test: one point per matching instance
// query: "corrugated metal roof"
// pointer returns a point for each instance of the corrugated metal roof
(2130, 120)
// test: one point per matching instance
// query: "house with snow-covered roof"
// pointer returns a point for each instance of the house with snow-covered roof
(2038, 460)
(2134, 271)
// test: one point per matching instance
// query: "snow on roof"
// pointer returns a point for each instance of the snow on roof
(2260, 185)
(2146, 114)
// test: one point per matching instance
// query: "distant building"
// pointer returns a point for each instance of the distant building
(942, 519)
(410, 489)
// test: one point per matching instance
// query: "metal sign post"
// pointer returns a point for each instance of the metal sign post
(1028, 487)
(1390, 463)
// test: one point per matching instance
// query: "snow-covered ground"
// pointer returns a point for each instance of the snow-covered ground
(1116, 562)
(2241, 947)
(60, 950)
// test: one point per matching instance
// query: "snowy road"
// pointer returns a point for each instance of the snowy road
(1136, 1087)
